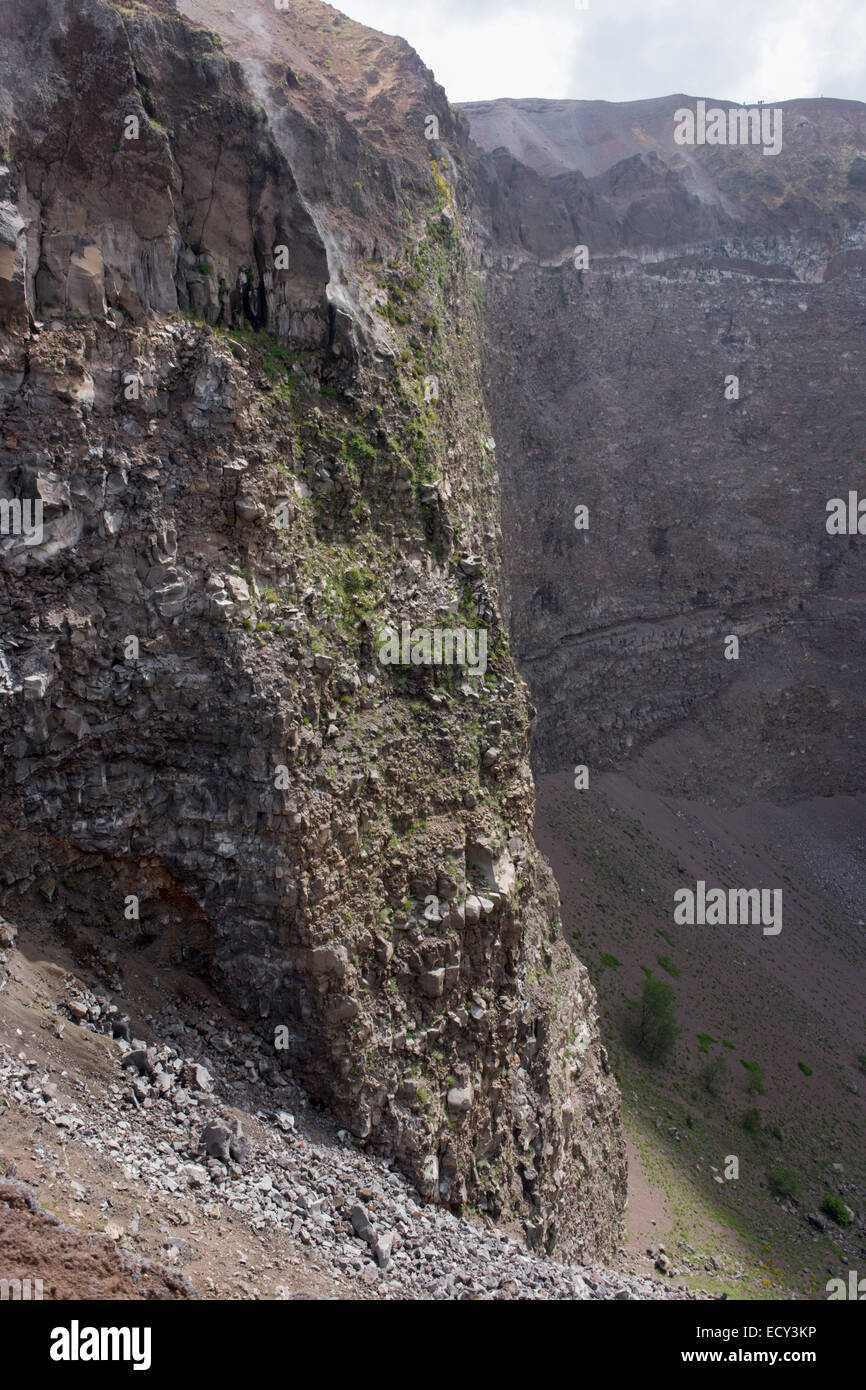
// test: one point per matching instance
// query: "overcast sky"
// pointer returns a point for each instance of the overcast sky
(621, 50)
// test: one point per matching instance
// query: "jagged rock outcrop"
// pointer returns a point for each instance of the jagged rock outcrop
(236, 476)
(146, 178)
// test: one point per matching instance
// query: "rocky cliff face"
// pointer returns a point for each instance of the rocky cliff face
(610, 388)
(241, 375)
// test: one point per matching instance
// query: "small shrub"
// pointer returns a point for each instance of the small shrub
(783, 1180)
(807, 1071)
(751, 1121)
(756, 1077)
(360, 449)
(657, 1030)
(836, 1209)
(712, 1076)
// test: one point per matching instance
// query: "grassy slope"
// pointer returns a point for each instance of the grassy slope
(618, 853)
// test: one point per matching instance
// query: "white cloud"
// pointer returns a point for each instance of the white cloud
(621, 50)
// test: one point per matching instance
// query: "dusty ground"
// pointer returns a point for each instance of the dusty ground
(108, 1216)
(649, 1219)
(71, 1263)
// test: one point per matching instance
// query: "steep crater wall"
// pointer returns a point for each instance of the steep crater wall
(242, 480)
(607, 389)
